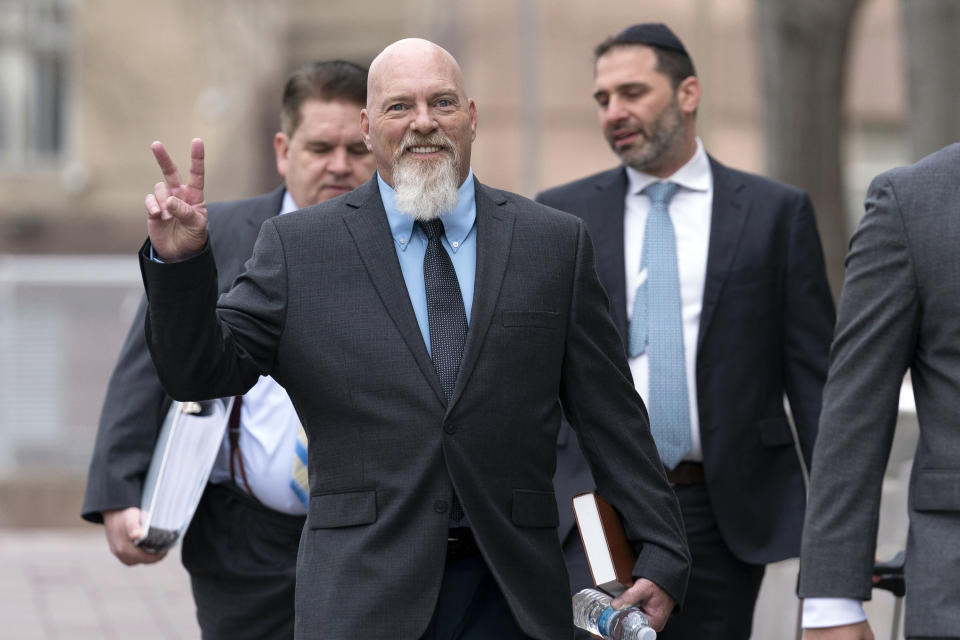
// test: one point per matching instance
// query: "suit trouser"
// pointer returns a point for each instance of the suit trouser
(722, 591)
(471, 606)
(242, 560)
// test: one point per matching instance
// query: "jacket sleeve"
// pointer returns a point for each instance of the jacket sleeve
(602, 404)
(872, 348)
(202, 349)
(130, 419)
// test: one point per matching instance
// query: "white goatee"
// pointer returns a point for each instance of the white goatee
(426, 190)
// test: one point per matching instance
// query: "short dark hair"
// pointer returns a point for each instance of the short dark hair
(329, 80)
(676, 65)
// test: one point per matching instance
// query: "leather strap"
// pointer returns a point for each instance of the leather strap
(686, 473)
(233, 435)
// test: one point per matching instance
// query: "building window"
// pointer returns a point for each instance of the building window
(35, 40)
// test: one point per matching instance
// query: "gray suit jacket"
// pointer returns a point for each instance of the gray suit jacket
(135, 402)
(323, 308)
(765, 326)
(900, 310)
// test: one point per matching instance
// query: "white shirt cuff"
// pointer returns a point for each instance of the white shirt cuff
(831, 612)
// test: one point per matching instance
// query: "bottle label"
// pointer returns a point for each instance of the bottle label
(604, 621)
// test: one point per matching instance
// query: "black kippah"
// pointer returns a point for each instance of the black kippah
(652, 33)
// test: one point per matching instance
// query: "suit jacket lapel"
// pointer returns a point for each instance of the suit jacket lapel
(727, 222)
(271, 207)
(371, 232)
(607, 235)
(234, 231)
(494, 233)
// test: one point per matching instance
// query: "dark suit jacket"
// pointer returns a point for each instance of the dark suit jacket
(323, 308)
(899, 310)
(765, 327)
(136, 403)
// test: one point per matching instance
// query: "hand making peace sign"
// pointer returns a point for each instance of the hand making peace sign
(176, 212)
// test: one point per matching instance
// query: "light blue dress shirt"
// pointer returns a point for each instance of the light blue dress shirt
(460, 242)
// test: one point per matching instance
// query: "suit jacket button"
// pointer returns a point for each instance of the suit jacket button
(450, 428)
(440, 506)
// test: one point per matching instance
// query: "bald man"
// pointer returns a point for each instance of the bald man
(427, 329)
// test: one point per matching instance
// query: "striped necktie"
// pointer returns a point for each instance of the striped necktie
(299, 481)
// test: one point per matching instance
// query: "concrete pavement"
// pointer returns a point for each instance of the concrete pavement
(63, 584)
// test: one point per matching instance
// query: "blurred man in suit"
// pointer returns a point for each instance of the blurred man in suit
(425, 326)
(241, 547)
(717, 285)
(899, 311)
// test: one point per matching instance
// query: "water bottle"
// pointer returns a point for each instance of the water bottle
(592, 612)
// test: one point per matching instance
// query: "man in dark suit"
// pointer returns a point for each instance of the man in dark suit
(899, 311)
(425, 326)
(717, 285)
(241, 547)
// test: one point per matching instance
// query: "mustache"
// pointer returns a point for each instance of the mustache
(435, 139)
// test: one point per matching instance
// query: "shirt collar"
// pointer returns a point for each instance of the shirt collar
(456, 224)
(694, 175)
(288, 204)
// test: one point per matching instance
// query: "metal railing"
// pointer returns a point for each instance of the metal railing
(62, 321)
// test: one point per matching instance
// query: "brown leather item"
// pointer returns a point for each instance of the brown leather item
(233, 431)
(686, 473)
(610, 547)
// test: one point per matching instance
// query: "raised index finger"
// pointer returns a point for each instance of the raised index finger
(170, 174)
(196, 164)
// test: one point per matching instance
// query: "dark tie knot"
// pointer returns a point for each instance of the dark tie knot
(433, 228)
(662, 192)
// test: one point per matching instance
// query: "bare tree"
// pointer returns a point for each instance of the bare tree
(804, 46)
(932, 30)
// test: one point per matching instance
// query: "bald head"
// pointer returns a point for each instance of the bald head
(411, 55)
(415, 93)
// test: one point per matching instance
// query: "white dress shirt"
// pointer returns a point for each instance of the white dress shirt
(268, 434)
(690, 212)
(831, 612)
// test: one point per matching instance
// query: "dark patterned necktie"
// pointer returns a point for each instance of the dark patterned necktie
(447, 321)
(445, 311)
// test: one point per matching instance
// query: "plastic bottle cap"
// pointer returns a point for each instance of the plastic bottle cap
(648, 634)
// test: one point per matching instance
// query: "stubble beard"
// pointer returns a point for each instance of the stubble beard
(661, 141)
(426, 189)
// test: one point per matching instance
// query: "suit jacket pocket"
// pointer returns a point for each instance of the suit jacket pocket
(775, 432)
(935, 490)
(534, 508)
(542, 319)
(348, 509)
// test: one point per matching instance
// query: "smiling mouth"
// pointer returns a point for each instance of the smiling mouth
(423, 149)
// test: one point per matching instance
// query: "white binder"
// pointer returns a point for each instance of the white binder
(184, 456)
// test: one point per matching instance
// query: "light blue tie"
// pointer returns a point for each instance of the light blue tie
(656, 327)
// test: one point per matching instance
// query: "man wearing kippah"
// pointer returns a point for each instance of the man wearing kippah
(717, 285)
